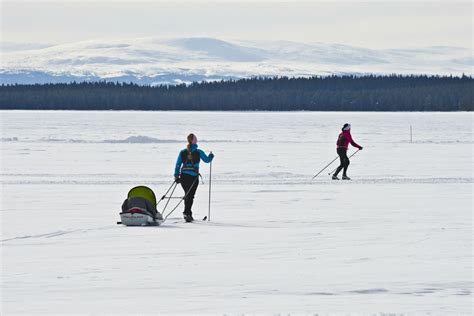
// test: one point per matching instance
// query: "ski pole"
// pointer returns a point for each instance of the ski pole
(317, 174)
(210, 180)
(347, 158)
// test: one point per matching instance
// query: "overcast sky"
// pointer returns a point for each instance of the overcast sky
(372, 24)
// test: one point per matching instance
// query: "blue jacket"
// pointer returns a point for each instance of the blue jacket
(179, 162)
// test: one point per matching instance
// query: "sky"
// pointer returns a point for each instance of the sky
(371, 24)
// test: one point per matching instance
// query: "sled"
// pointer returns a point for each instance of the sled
(138, 208)
(137, 217)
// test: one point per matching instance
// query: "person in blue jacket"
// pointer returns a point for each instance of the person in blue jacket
(186, 172)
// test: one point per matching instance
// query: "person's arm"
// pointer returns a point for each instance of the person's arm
(205, 157)
(179, 162)
(353, 143)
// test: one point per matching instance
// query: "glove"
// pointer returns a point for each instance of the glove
(360, 147)
(177, 179)
(211, 155)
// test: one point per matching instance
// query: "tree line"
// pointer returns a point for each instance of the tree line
(318, 93)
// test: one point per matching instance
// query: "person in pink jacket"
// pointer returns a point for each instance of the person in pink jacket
(342, 145)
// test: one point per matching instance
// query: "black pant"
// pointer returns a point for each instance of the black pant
(189, 184)
(342, 152)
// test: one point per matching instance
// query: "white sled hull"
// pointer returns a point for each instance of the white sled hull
(138, 219)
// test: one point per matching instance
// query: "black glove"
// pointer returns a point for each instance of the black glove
(177, 179)
(211, 155)
(360, 147)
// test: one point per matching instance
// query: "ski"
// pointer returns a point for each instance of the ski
(194, 220)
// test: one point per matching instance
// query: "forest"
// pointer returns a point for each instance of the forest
(317, 93)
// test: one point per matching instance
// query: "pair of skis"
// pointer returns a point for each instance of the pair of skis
(203, 220)
(317, 174)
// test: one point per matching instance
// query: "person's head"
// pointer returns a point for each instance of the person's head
(192, 139)
(346, 127)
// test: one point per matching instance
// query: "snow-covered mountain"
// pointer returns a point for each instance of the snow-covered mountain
(155, 61)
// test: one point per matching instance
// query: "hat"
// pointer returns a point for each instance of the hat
(346, 127)
(192, 139)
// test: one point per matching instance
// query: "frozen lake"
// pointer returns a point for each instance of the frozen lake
(395, 239)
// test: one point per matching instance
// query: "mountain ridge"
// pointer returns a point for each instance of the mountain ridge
(172, 61)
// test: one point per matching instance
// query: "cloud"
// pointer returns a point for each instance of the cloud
(374, 24)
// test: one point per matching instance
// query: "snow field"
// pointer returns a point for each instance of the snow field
(395, 239)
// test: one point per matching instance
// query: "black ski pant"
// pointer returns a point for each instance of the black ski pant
(342, 152)
(189, 184)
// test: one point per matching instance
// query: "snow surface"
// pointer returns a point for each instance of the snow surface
(396, 239)
(156, 61)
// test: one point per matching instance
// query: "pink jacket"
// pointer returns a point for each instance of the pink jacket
(344, 139)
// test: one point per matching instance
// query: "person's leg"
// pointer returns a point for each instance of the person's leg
(192, 192)
(346, 165)
(189, 184)
(185, 184)
(341, 165)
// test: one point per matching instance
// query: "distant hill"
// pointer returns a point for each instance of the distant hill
(157, 61)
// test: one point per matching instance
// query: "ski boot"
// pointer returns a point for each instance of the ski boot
(188, 218)
(345, 177)
(334, 177)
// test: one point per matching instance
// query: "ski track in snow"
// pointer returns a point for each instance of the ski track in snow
(456, 290)
(66, 180)
(172, 222)
(139, 139)
(56, 234)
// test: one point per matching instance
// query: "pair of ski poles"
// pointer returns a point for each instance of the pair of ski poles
(317, 174)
